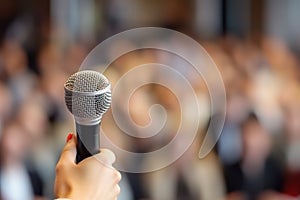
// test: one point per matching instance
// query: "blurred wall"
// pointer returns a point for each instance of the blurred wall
(282, 21)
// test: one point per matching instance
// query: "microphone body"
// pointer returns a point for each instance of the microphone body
(88, 141)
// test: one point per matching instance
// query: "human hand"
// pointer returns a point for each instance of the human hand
(93, 178)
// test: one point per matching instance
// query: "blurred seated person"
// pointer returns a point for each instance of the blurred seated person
(291, 141)
(17, 180)
(257, 176)
(189, 178)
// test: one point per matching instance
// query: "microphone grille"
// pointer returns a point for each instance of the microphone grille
(87, 95)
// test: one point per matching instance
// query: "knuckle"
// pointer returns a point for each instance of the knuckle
(118, 190)
(60, 166)
(117, 176)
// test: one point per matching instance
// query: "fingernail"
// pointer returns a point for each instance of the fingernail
(69, 137)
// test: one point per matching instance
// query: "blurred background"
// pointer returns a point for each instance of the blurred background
(255, 44)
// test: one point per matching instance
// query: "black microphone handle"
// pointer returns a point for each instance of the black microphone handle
(88, 141)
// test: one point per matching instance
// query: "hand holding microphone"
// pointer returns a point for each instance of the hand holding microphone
(94, 178)
(84, 172)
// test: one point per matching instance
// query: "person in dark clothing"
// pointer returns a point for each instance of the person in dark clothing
(15, 175)
(257, 175)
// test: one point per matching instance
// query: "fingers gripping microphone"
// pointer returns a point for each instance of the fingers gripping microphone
(88, 97)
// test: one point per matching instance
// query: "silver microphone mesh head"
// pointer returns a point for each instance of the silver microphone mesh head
(87, 96)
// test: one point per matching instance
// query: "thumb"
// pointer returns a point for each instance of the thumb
(106, 157)
(69, 151)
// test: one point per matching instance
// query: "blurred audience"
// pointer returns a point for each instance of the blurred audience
(256, 157)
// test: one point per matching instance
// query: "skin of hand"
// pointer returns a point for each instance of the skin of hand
(94, 178)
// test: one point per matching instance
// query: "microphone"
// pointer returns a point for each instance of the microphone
(87, 97)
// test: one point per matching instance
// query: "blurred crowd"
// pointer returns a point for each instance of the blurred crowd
(257, 156)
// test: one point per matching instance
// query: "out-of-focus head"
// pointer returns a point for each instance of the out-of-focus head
(49, 58)
(290, 102)
(75, 55)
(139, 107)
(52, 85)
(33, 117)
(5, 102)
(14, 57)
(165, 97)
(256, 141)
(15, 143)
